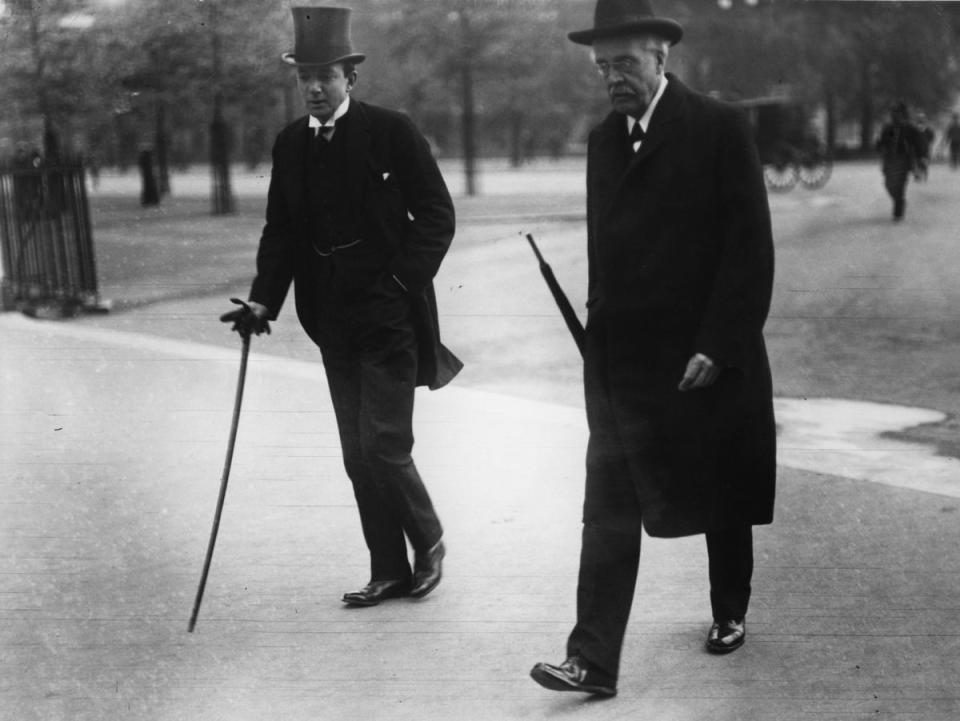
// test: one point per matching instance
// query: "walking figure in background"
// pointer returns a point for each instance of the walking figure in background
(925, 137)
(677, 382)
(900, 147)
(952, 136)
(359, 217)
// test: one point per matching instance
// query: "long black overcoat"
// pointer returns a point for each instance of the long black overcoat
(680, 262)
(398, 194)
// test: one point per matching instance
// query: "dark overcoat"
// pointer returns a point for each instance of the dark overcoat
(401, 203)
(680, 262)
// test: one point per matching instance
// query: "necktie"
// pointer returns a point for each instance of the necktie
(636, 135)
(321, 138)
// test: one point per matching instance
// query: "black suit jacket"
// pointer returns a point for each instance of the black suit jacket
(680, 262)
(401, 203)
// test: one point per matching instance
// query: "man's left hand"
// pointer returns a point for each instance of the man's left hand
(701, 372)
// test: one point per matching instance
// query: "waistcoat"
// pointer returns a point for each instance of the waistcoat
(330, 222)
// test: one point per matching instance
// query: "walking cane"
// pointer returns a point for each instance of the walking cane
(566, 310)
(245, 352)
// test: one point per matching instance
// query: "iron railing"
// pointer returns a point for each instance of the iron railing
(46, 238)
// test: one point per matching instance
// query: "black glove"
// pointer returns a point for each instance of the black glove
(244, 320)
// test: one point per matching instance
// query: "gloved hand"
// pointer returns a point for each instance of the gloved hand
(246, 320)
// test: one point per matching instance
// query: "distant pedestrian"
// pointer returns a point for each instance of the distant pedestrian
(952, 136)
(899, 145)
(359, 219)
(926, 138)
(678, 390)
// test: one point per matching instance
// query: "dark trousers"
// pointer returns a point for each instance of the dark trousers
(609, 561)
(895, 176)
(369, 351)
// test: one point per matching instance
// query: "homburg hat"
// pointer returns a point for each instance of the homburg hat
(321, 37)
(613, 18)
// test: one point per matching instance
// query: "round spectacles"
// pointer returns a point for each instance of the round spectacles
(623, 67)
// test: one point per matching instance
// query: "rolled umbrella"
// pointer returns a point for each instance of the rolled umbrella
(566, 310)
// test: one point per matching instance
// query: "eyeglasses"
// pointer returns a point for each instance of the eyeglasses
(623, 66)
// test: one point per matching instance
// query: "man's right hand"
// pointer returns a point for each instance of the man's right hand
(249, 318)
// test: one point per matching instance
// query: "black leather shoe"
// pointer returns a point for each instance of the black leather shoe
(726, 636)
(427, 570)
(377, 591)
(574, 674)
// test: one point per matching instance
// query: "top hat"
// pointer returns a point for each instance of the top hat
(321, 37)
(613, 18)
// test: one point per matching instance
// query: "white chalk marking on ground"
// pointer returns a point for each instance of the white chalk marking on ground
(822, 435)
(843, 438)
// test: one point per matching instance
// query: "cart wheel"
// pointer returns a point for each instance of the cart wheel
(781, 177)
(815, 172)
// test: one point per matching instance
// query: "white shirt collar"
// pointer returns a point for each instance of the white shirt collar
(331, 121)
(645, 119)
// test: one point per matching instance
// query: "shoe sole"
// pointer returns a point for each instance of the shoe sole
(364, 604)
(722, 649)
(557, 683)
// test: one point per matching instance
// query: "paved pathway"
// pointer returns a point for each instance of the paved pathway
(111, 447)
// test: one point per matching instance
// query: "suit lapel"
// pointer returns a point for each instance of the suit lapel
(356, 126)
(609, 160)
(662, 124)
(613, 144)
(299, 153)
(355, 130)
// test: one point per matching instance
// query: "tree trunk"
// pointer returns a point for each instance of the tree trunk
(516, 139)
(51, 140)
(866, 103)
(830, 121)
(291, 109)
(149, 192)
(160, 143)
(468, 119)
(222, 193)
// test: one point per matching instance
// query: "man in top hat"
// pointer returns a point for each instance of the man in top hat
(359, 217)
(678, 388)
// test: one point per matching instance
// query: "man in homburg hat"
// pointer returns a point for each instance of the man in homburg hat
(678, 387)
(359, 217)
